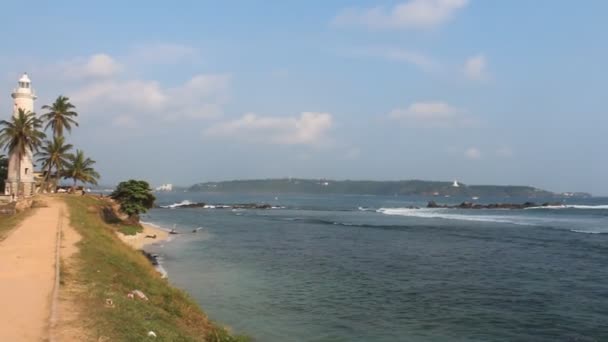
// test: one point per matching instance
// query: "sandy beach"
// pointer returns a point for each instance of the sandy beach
(140, 240)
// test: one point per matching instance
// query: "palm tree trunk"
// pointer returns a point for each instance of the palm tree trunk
(19, 176)
(48, 175)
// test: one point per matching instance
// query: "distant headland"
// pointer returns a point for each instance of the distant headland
(387, 188)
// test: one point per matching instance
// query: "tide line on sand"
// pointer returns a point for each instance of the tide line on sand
(150, 235)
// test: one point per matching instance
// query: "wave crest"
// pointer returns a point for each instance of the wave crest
(573, 206)
(177, 205)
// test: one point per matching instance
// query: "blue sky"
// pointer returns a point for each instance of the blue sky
(486, 92)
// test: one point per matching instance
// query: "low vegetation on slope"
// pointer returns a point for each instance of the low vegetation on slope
(9, 222)
(108, 270)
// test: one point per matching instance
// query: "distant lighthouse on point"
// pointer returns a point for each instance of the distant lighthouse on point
(20, 179)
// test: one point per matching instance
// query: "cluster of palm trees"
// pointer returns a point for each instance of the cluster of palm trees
(24, 134)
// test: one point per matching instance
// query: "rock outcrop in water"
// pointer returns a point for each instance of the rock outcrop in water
(469, 205)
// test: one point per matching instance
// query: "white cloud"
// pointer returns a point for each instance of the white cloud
(505, 152)
(433, 114)
(413, 14)
(96, 66)
(203, 96)
(124, 121)
(472, 153)
(352, 153)
(310, 128)
(426, 112)
(162, 53)
(475, 68)
(132, 95)
(400, 55)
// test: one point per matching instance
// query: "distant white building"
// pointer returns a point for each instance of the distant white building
(456, 185)
(165, 187)
(20, 180)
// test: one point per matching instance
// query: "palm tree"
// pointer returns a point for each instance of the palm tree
(54, 155)
(61, 116)
(21, 135)
(80, 169)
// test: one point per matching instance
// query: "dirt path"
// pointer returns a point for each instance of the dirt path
(67, 324)
(27, 275)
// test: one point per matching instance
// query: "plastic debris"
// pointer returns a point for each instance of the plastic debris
(139, 294)
(151, 334)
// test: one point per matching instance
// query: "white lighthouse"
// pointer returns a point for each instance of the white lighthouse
(20, 179)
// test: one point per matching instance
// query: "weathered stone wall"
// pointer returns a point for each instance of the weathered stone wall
(16, 207)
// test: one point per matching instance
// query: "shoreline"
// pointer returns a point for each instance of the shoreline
(140, 240)
(119, 289)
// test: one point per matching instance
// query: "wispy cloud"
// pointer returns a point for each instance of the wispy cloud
(473, 153)
(352, 153)
(399, 55)
(162, 53)
(432, 113)
(504, 152)
(475, 68)
(103, 85)
(99, 65)
(310, 128)
(413, 14)
(200, 97)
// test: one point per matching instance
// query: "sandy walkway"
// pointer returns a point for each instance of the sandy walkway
(27, 275)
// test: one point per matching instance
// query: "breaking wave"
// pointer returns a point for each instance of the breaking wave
(588, 231)
(447, 214)
(573, 206)
(177, 205)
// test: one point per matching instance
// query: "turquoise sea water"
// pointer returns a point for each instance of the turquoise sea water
(367, 268)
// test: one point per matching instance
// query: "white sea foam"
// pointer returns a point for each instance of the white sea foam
(160, 269)
(447, 214)
(588, 231)
(176, 205)
(573, 206)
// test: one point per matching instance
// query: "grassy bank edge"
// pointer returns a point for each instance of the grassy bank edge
(10, 222)
(107, 270)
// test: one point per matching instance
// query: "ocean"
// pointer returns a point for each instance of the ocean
(370, 268)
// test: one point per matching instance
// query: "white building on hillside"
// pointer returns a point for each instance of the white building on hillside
(165, 187)
(20, 180)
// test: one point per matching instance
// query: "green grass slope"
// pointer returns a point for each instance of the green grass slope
(107, 269)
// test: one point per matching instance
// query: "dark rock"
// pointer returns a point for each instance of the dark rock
(465, 205)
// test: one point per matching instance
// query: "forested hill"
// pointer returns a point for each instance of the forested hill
(408, 187)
